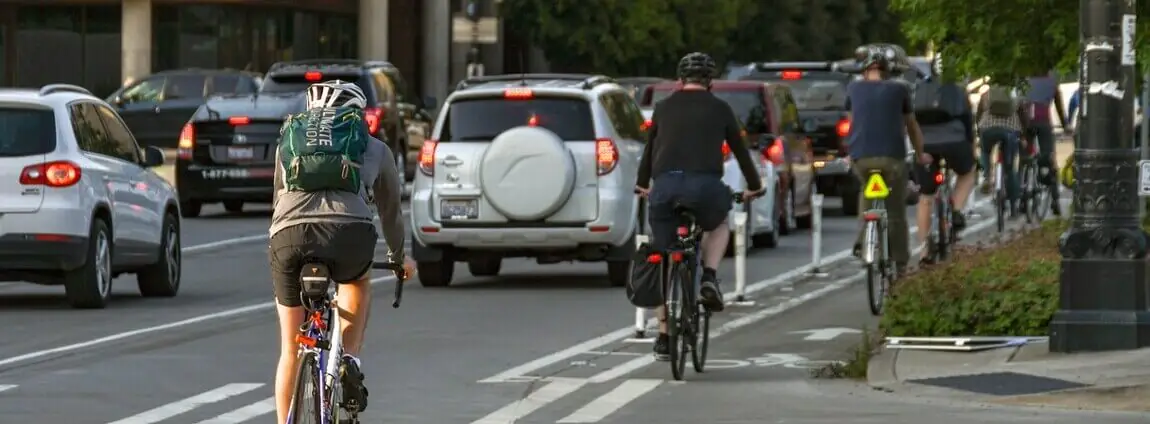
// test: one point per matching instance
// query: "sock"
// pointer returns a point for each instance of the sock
(352, 358)
(709, 274)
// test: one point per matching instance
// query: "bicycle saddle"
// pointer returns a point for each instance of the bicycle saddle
(686, 216)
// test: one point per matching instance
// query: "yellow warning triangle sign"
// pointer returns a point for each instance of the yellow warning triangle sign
(876, 188)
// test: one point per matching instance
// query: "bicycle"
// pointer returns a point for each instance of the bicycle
(688, 322)
(320, 342)
(1035, 199)
(1001, 200)
(880, 268)
(941, 235)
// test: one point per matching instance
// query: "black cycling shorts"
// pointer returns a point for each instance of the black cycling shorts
(347, 249)
(959, 157)
(705, 195)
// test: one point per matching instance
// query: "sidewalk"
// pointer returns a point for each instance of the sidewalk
(1025, 375)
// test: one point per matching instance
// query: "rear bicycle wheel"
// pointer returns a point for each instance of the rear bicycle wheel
(943, 214)
(702, 339)
(674, 312)
(1043, 199)
(307, 406)
(874, 273)
(1029, 193)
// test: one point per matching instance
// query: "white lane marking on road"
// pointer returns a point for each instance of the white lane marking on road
(148, 330)
(550, 392)
(7, 387)
(265, 406)
(612, 401)
(518, 373)
(224, 243)
(181, 406)
(743, 321)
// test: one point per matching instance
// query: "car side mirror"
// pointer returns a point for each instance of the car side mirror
(429, 102)
(117, 101)
(153, 157)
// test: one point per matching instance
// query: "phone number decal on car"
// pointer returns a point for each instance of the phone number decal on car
(216, 174)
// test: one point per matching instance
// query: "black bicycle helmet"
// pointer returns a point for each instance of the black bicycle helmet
(697, 68)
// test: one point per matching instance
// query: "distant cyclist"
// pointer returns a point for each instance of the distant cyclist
(1042, 94)
(1001, 119)
(334, 227)
(684, 156)
(882, 115)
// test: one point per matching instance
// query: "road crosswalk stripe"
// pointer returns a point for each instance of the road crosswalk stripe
(612, 401)
(179, 407)
(6, 387)
(550, 392)
(246, 413)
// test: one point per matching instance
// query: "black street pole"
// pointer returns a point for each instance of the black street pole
(473, 57)
(1104, 291)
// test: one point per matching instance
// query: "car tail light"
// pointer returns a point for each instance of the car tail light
(677, 257)
(51, 174)
(373, 116)
(239, 120)
(792, 75)
(427, 157)
(606, 155)
(187, 142)
(843, 127)
(726, 151)
(518, 93)
(775, 152)
(533, 121)
(938, 178)
(313, 76)
(646, 125)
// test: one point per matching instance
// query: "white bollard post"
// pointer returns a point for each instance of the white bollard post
(741, 260)
(817, 237)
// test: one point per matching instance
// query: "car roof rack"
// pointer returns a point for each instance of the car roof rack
(63, 88)
(587, 81)
(798, 66)
(292, 65)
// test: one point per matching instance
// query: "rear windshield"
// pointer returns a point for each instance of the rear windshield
(25, 131)
(743, 102)
(294, 83)
(484, 119)
(815, 90)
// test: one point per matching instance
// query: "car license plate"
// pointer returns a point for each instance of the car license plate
(240, 153)
(459, 209)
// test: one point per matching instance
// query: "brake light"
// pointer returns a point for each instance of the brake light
(518, 93)
(606, 155)
(427, 157)
(187, 142)
(646, 125)
(938, 178)
(239, 120)
(792, 75)
(373, 116)
(313, 76)
(843, 127)
(51, 174)
(726, 151)
(775, 152)
(533, 121)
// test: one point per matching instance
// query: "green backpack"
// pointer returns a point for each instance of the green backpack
(322, 149)
(1000, 102)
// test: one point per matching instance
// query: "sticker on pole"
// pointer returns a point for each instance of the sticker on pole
(876, 188)
(1129, 23)
(1144, 178)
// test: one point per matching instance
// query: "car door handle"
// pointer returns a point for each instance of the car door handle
(451, 162)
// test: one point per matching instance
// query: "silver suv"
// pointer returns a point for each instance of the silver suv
(78, 204)
(533, 165)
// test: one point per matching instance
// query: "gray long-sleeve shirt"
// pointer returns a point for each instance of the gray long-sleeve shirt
(297, 207)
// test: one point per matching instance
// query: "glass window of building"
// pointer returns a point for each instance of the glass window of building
(199, 36)
(102, 49)
(55, 29)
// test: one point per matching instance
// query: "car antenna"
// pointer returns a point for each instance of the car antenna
(522, 68)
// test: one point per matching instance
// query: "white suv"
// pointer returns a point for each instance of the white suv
(534, 165)
(78, 204)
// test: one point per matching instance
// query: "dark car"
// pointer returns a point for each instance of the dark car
(768, 113)
(156, 107)
(820, 90)
(227, 150)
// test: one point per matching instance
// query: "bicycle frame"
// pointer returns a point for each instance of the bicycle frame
(323, 340)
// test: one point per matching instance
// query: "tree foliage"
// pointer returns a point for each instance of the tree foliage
(1007, 40)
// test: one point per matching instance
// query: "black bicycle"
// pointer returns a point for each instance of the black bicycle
(1036, 196)
(688, 322)
(941, 230)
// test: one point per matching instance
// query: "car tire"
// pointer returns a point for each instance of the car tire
(191, 208)
(233, 206)
(787, 217)
(485, 267)
(90, 286)
(618, 272)
(162, 279)
(435, 274)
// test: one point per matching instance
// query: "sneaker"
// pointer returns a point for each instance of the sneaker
(712, 297)
(662, 348)
(957, 221)
(351, 378)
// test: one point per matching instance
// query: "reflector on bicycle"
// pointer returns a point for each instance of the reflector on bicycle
(654, 258)
(676, 257)
(938, 178)
(682, 231)
(876, 188)
(871, 216)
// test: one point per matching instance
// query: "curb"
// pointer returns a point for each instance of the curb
(891, 367)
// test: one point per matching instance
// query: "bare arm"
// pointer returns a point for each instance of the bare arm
(389, 202)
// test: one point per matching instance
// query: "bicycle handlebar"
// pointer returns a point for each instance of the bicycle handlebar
(398, 269)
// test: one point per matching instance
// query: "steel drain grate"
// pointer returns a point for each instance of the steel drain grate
(1001, 383)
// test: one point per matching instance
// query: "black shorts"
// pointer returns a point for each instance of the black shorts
(959, 158)
(704, 195)
(347, 249)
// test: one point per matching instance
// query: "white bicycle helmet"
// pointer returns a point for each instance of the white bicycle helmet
(335, 93)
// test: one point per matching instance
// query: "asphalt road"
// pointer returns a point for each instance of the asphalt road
(468, 353)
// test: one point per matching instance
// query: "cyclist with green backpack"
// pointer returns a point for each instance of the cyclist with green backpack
(328, 172)
(1001, 119)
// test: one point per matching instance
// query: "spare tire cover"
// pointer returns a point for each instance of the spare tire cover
(527, 173)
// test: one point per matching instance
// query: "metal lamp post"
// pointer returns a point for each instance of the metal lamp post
(1104, 289)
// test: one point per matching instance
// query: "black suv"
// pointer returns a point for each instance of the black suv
(227, 150)
(156, 107)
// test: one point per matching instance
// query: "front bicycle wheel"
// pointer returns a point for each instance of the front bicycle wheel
(307, 406)
(943, 213)
(674, 314)
(1030, 193)
(876, 288)
(1043, 199)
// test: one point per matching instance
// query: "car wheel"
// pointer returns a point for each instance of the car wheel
(162, 279)
(787, 217)
(90, 286)
(233, 206)
(618, 272)
(435, 274)
(485, 267)
(191, 208)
